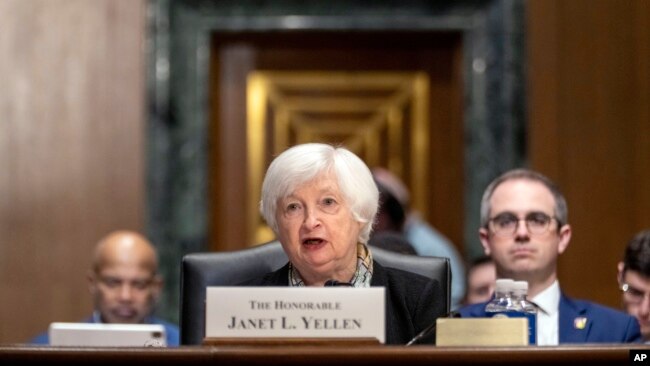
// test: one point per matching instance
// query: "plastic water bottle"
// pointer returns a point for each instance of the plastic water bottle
(519, 294)
(502, 300)
(507, 301)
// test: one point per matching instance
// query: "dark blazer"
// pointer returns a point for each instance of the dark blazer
(413, 302)
(603, 324)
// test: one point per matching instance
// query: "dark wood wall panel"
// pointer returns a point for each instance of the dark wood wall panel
(71, 150)
(447, 150)
(229, 67)
(588, 118)
(642, 106)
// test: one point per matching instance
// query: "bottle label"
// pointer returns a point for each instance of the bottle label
(532, 322)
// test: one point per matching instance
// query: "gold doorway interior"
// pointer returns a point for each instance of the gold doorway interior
(382, 117)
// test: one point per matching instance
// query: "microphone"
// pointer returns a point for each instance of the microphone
(431, 328)
(335, 283)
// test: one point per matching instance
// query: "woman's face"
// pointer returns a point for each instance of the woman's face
(318, 232)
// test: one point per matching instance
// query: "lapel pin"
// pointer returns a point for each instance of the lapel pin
(580, 322)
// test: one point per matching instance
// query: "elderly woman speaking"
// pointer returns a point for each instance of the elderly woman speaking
(321, 201)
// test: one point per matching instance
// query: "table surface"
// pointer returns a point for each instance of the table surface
(322, 355)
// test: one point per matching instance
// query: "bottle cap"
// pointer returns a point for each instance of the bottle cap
(521, 285)
(503, 285)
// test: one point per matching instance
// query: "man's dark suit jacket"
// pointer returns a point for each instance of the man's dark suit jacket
(413, 302)
(583, 322)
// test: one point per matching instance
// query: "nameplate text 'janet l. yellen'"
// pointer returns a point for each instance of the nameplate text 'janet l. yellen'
(295, 312)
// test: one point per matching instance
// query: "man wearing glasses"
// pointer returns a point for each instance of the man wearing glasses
(124, 284)
(524, 229)
(634, 280)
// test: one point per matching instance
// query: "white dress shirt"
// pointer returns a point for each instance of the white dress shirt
(548, 317)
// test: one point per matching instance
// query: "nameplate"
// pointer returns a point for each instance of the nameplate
(295, 312)
(482, 332)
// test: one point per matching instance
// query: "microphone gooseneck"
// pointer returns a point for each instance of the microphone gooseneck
(335, 283)
(431, 328)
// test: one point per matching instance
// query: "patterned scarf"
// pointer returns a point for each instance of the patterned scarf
(362, 275)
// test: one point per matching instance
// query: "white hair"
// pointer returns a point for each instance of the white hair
(302, 163)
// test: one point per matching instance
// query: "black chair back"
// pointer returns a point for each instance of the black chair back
(200, 270)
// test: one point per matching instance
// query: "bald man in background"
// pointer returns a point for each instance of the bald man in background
(124, 284)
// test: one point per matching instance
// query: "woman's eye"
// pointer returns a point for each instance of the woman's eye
(329, 205)
(329, 201)
(292, 207)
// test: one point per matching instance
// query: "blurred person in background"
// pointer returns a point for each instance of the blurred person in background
(481, 278)
(634, 280)
(124, 284)
(424, 238)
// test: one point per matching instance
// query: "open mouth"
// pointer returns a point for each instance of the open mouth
(312, 241)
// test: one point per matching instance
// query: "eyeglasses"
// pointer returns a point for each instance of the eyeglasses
(633, 295)
(506, 224)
